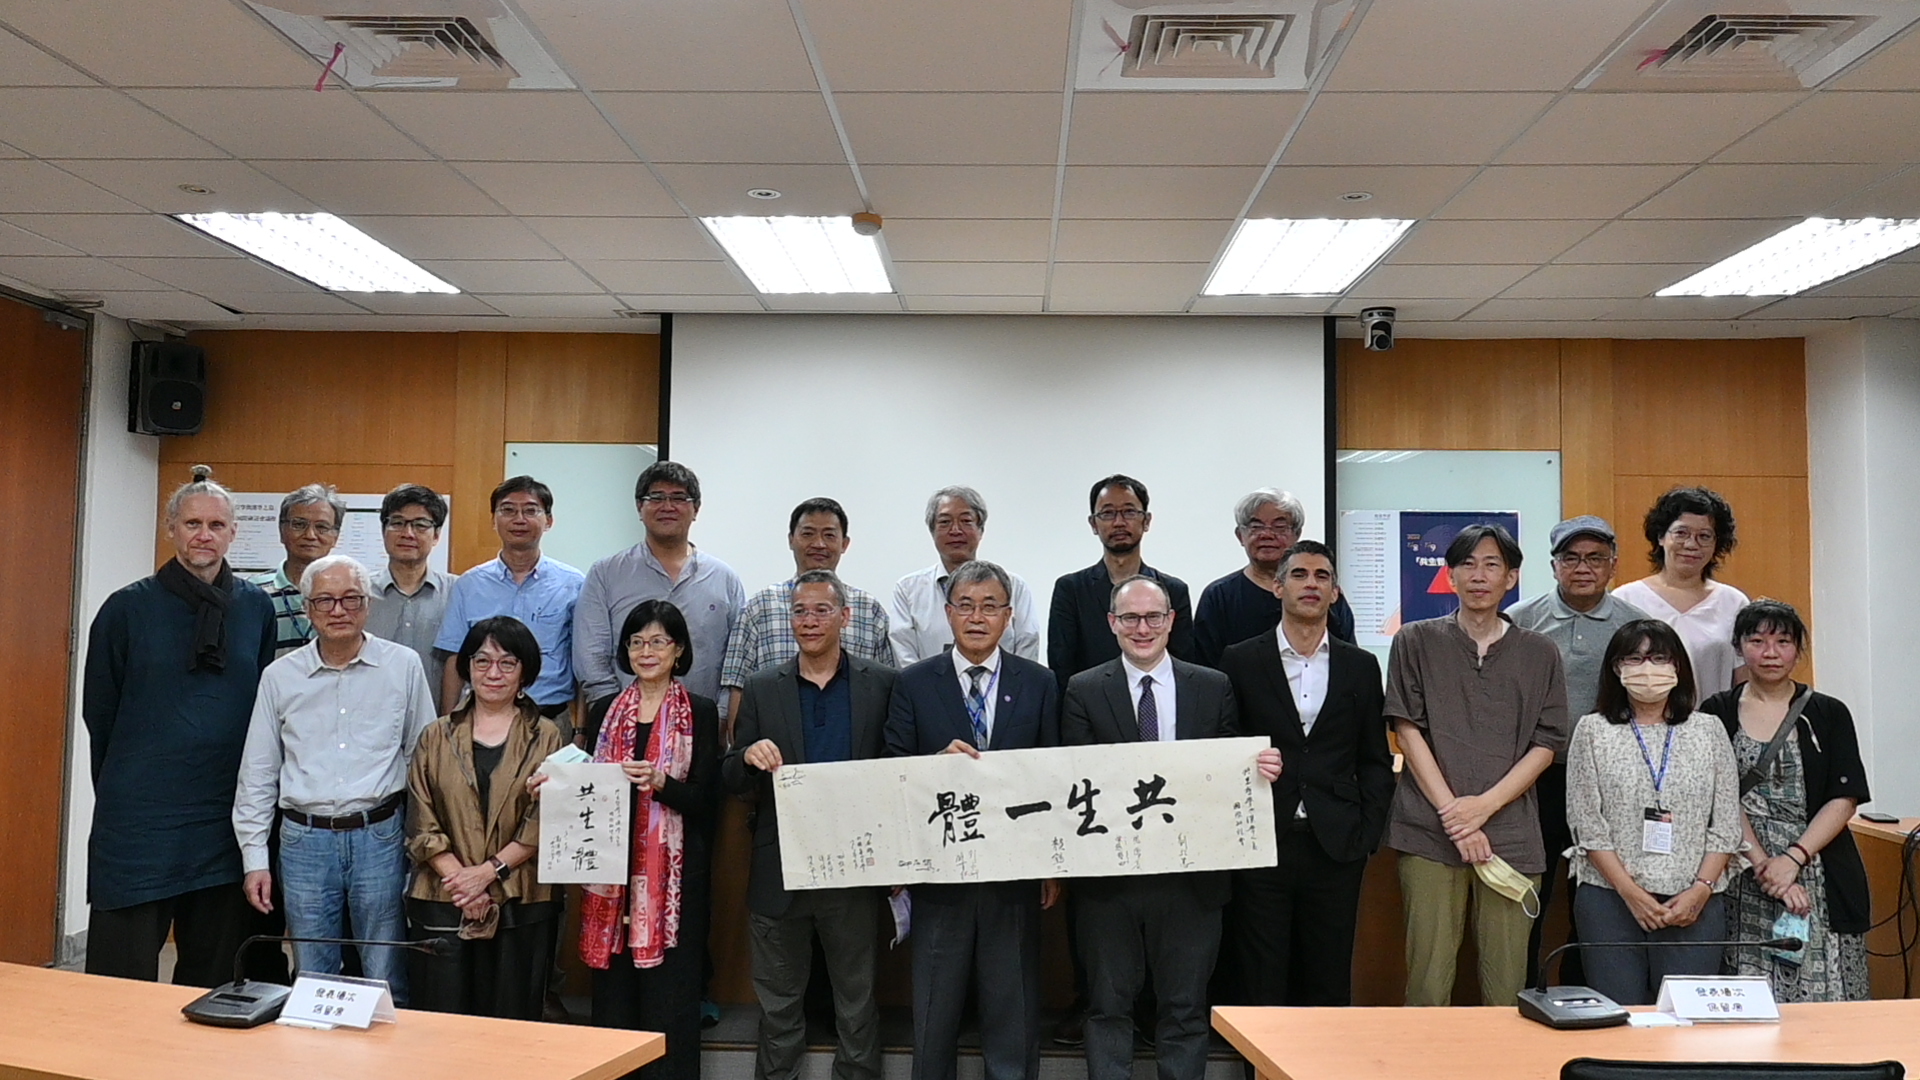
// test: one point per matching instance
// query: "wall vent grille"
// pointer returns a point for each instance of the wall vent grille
(1695, 45)
(477, 45)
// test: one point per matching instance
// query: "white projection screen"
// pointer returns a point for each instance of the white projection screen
(879, 411)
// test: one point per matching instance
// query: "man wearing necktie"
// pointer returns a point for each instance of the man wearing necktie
(972, 699)
(1166, 924)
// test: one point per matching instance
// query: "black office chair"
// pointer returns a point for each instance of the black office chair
(1599, 1069)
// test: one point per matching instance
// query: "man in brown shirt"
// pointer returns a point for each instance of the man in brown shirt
(1480, 708)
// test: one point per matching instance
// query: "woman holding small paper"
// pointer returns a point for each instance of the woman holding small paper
(1654, 804)
(471, 823)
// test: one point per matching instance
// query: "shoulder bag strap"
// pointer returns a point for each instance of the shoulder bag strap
(1752, 777)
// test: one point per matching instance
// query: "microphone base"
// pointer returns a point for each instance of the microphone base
(238, 1005)
(1570, 1008)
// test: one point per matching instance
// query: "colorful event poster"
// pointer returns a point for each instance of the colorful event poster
(1426, 589)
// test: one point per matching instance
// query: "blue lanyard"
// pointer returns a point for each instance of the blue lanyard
(1646, 755)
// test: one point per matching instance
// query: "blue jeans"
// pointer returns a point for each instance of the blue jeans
(325, 874)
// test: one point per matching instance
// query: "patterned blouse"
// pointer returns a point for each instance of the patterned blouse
(1610, 788)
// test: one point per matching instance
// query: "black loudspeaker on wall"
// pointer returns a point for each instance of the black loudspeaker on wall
(168, 391)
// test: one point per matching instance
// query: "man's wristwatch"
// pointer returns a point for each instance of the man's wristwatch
(500, 868)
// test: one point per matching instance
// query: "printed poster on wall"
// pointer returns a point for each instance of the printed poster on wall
(1426, 589)
(1393, 566)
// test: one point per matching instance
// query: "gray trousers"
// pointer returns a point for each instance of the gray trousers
(970, 936)
(1156, 925)
(848, 922)
(1632, 976)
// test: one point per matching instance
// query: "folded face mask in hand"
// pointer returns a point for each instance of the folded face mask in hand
(1502, 878)
(1793, 926)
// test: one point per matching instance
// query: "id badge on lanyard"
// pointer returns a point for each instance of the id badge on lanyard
(1656, 826)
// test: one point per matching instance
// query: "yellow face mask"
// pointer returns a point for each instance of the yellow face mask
(1502, 878)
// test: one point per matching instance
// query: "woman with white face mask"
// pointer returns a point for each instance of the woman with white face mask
(1653, 799)
(1801, 781)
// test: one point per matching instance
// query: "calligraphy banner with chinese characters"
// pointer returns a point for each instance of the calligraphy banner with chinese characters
(583, 824)
(1071, 811)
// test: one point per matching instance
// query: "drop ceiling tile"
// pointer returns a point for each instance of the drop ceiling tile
(526, 188)
(921, 45)
(583, 306)
(1487, 242)
(1260, 305)
(584, 238)
(671, 302)
(728, 127)
(1897, 195)
(1648, 308)
(972, 240)
(952, 128)
(985, 305)
(21, 64)
(1480, 44)
(210, 277)
(1157, 191)
(961, 191)
(10, 152)
(806, 190)
(511, 276)
(1416, 310)
(881, 302)
(505, 125)
(1560, 192)
(1534, 310)
(970, 278)
(351, 188)
(125, 234)
(667, 278)
(312, 302)
(1399, 191)
(165, 307)
(1885, 279)
(457, 237)
(1894, 66)
(421, 303)
(1410, 129)
(186, 43)
(92, 122)
(1108, 240)
(1435, 282)
(671, 45)
(1180, 129)
(73, 275)
(15, 241)
(1647, 129)
(1124, 286)
(1613, 281)
(1636, 240)
(1832, 307)
(1758, 191)
(1837, 126)
(287, 123)
(235, 185)
(35, 187)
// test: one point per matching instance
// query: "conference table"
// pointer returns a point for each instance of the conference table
(57, 1024)
(1489, 1043)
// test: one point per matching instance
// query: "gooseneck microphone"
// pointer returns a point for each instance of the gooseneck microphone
(1570, 1007)
(244, 1003)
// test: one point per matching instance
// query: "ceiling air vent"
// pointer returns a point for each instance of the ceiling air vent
(393, 44)
(1704, 45)
(1229, 45)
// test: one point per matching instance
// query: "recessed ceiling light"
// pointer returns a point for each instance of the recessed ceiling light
(194, 189)
(802, 254)
(1356, 196)
(762, 193)
(322, 249)
(1302, 257)
(1802, 256)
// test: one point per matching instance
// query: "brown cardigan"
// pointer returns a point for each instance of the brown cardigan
(443, 803)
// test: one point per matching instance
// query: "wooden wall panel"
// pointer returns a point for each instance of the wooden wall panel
(583, 388)
(1586, 428)
(1712, 408)
(39, 470)
(1451, 395)
(479, 450)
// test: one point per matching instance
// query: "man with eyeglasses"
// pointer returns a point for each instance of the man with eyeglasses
(310, 520)
(1245, 603)
(1580, 615)
(333, 728)
(823, 705)
(526, 584)
(917, 613)
(979, 938)
(1163, 927)
(410, 597)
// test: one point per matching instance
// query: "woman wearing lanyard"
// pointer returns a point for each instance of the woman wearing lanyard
(1653, 799)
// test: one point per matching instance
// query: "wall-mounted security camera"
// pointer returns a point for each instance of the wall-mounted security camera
(1376, 326)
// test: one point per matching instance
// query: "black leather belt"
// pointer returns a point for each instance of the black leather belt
(388, 807)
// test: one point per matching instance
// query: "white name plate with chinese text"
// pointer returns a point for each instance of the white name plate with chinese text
(331, 1001)
(1719, 999)
(1012, 815)
(583, 824)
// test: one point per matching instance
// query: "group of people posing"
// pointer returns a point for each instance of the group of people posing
(345, 751)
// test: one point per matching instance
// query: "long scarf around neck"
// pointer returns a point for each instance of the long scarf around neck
(645, 913)
(209, 604)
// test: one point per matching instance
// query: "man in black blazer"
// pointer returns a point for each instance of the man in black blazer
(974, 698)
(1168, 924)
(1291, 926)
(823, 705)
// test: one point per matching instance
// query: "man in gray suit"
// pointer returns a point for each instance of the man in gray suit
(976, 697)
(1168, 924)
(823, 705)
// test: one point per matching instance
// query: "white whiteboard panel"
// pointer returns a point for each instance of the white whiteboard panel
(592, 483)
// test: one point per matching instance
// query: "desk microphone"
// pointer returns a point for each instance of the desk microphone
(1567, 1007)
(244, 1003)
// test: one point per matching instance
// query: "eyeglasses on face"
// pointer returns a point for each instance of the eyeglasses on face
(677, 498)
(639, 644)
(1642, 659)
(1130, 514)
(349, 602)
(417, 526)
(519, 511)
(1268, 528)
(1153, 620)
(505, 665)
(1682, 535)
(965, 521)
(817, 613)
(1598, 560)
(300, 527)
(967, 609)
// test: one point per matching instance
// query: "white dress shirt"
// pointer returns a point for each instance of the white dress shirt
(917, 617)
(1307, 676)
(990, 686)
(1162, 692)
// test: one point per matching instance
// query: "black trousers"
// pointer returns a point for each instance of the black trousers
(1557, 835)
(665, 998)
(1291, 926)
(207, 926)
(967, 937)
(503, 976)
(1148, 930)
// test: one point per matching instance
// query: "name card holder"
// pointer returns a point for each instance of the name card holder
(1719, 999)
(330, 1001)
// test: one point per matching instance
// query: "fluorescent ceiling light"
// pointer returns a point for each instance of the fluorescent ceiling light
(1797, 258)
(322, 249)
(1302, 257)
(802, 254)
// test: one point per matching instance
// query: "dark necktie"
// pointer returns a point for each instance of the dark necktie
(977, 705)
(1149, 712)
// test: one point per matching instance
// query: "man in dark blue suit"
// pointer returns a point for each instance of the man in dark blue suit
(971, 699)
